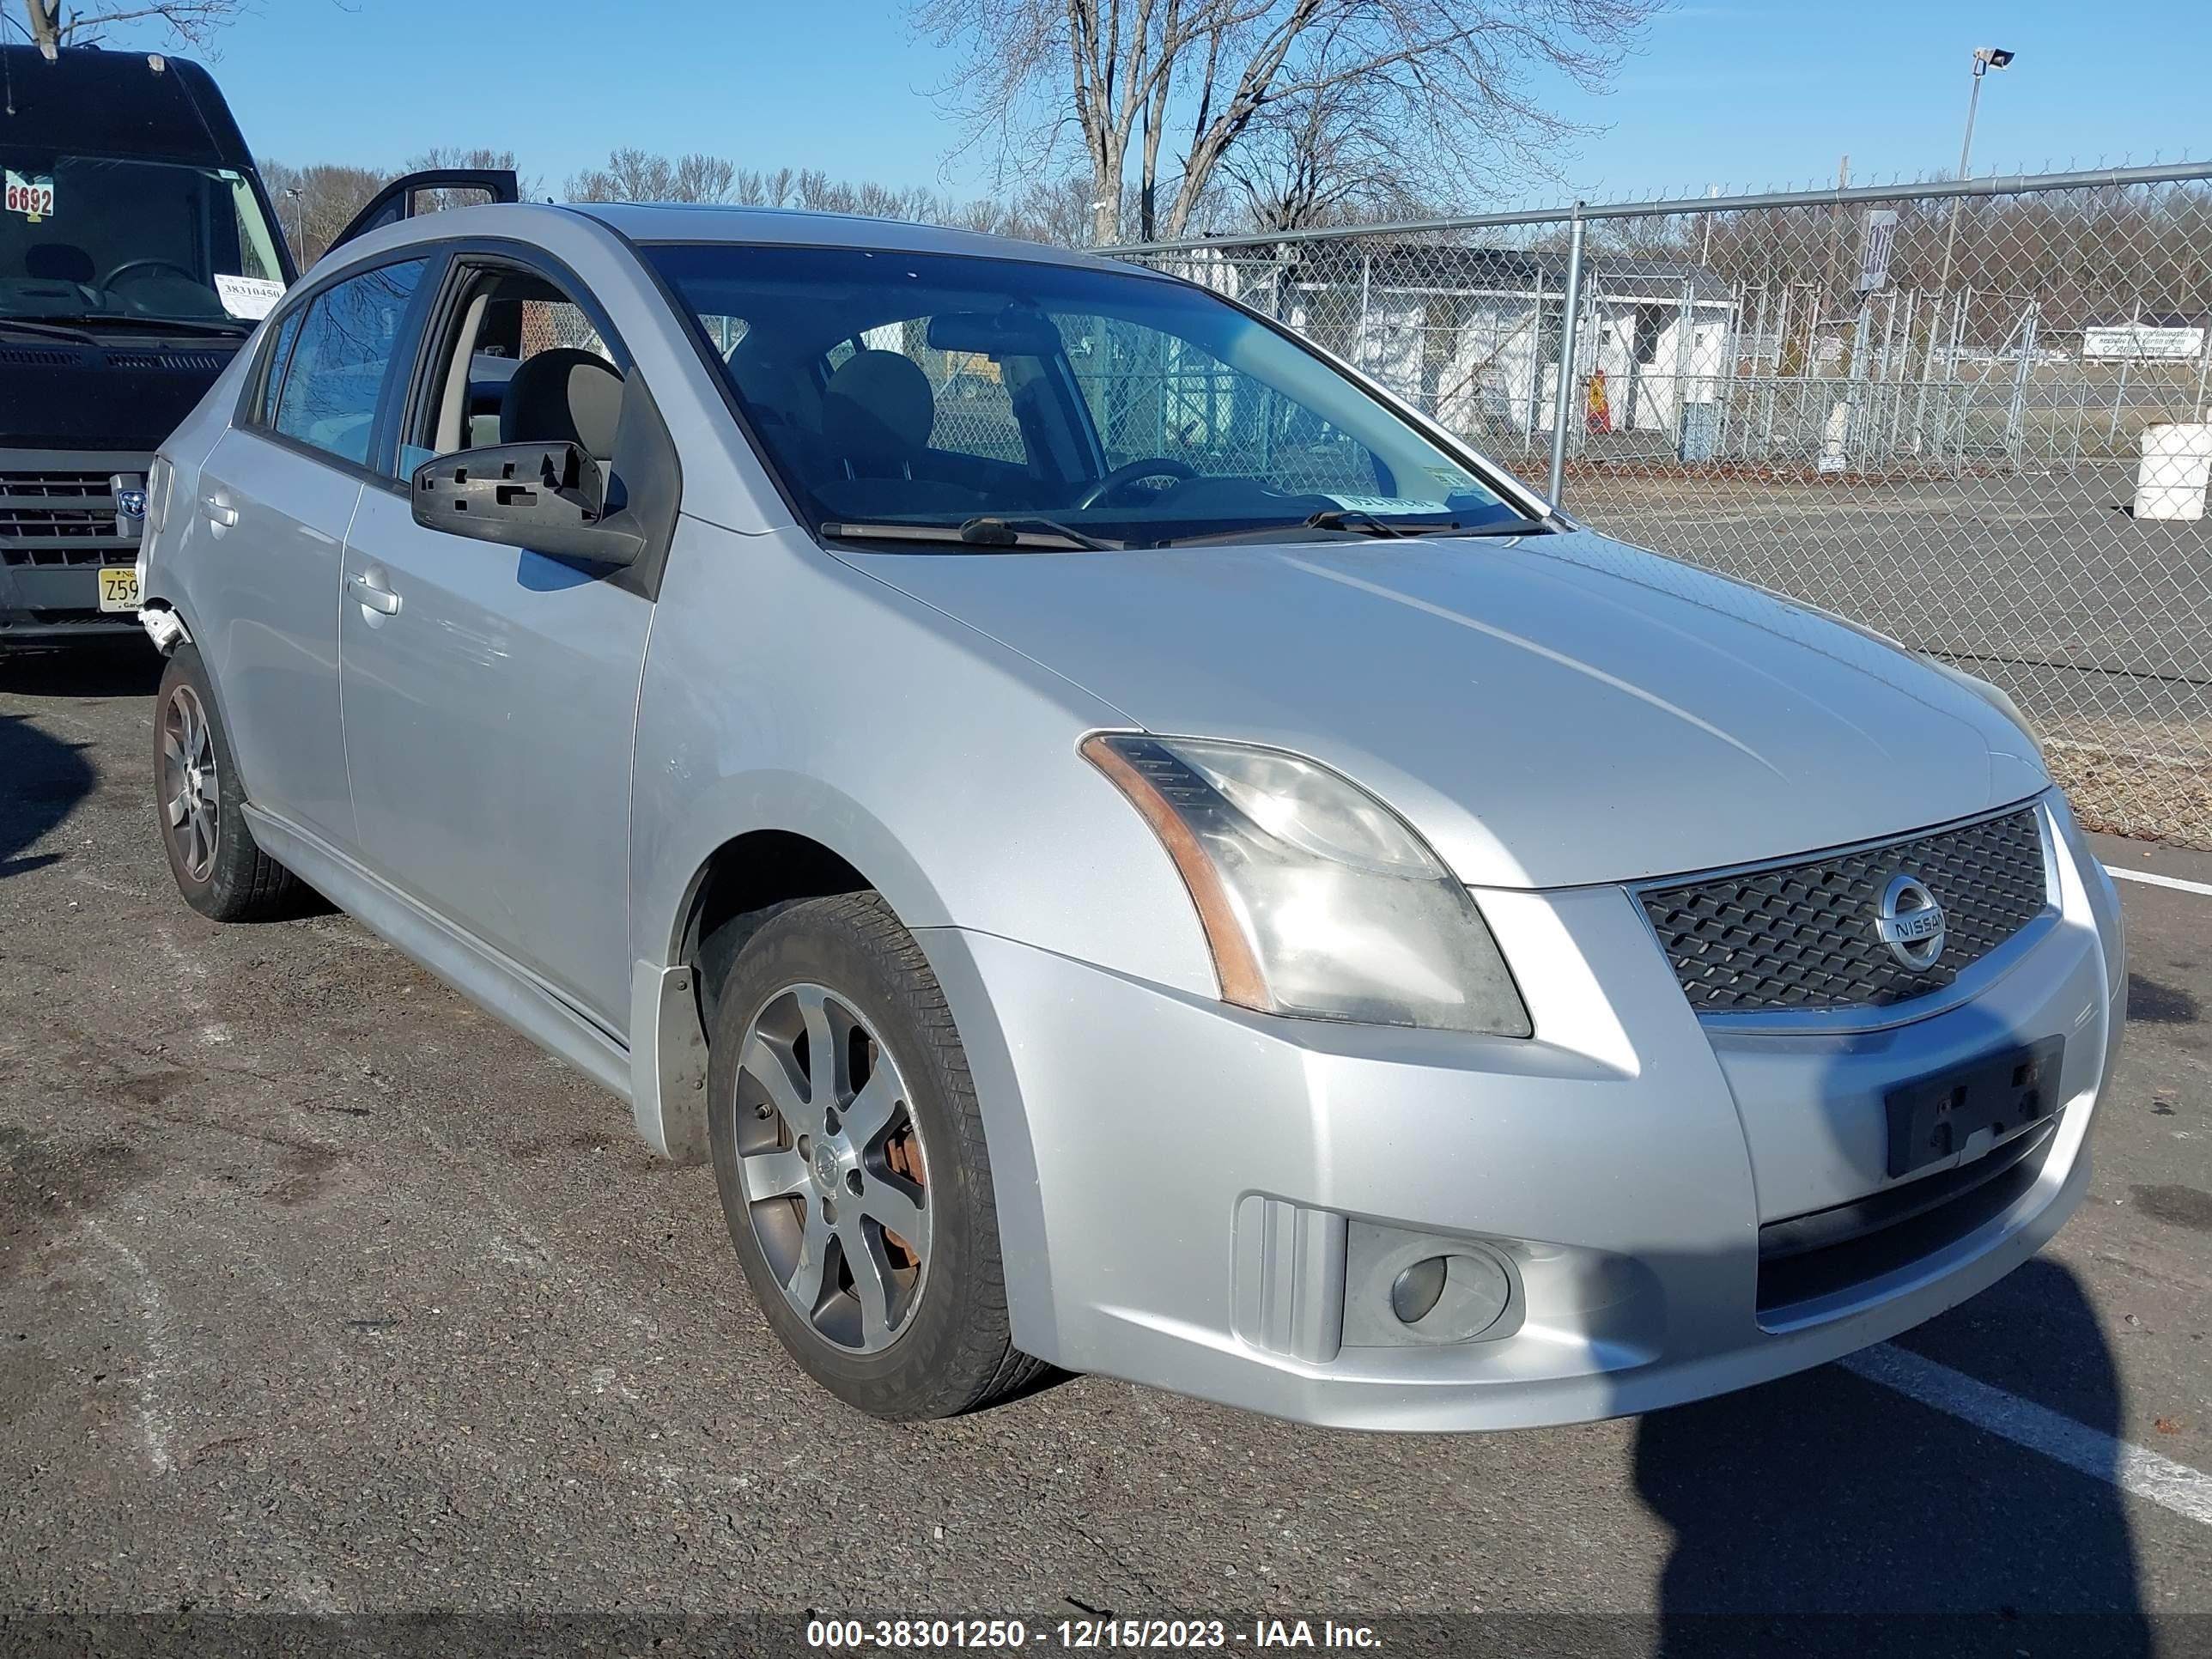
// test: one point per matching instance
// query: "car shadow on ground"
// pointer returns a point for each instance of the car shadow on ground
(42, 779)
(117, 668)
(1830, 1494)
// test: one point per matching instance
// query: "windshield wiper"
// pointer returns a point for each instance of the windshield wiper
(1350, 518)
(1367, 524)
(48, 330)
(229, 329)
(1351, 521)
(1012, 534)
(1027, 530)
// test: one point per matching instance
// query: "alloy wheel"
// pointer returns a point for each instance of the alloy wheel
(191, 784)
(834, 1172)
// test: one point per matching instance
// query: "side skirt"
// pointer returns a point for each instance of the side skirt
(501, 987)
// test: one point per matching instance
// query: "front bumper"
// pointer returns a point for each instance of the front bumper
(1212, 1203)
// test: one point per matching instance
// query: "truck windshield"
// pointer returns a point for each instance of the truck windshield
(992, 403)
(92, 239)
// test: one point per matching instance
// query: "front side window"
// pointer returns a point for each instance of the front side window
(523, 362)
(96, 238)
(329, 393)
(931, 390)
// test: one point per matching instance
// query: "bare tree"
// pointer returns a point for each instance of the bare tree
(1118, 75)
(635, 175)
(53, 26)
(316, 203)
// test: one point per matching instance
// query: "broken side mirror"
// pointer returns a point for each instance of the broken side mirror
(549, 498)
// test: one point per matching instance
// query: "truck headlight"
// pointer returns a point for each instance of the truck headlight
(1317, 900)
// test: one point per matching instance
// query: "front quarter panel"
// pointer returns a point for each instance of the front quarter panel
(784, 691)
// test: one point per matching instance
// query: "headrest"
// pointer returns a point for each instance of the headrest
(563, 396)
(877, 405)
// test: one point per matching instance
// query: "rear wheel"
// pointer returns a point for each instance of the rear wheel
(848, 1149)
(218, 867)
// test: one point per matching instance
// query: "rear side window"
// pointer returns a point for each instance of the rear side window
(329, 394)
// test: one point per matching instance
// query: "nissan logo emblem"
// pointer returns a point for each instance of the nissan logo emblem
(1909, 922)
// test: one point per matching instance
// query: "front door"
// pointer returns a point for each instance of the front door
(491, 692)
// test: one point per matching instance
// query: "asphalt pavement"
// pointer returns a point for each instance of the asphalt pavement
(321, 1292)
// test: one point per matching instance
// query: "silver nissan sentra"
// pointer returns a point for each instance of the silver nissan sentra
(1128, 848)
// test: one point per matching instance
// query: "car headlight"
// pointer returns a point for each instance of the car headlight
(1317, 900)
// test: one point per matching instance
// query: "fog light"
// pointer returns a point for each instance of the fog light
(1413, 1294)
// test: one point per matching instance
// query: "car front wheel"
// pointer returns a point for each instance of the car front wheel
(848, 1151)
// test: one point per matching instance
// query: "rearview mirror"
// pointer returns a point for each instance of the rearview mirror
(1014, 331)
(549, 498)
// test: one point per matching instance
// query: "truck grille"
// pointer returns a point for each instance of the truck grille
(1801, 936)
(50, 519)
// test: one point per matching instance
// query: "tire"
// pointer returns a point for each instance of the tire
(811, 1191)
(218, 868)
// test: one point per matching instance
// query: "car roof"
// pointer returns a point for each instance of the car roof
(689, 222)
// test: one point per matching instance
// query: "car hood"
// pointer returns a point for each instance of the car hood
(1548, 711)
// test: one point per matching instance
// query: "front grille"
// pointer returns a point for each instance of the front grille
(52, 518)
(1801, 936)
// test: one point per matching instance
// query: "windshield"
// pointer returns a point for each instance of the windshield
(88, 237)
(912, 390)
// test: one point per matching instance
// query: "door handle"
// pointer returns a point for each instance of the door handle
(376, 596)
(219, 511)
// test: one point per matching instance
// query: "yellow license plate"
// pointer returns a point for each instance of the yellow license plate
(118, 588)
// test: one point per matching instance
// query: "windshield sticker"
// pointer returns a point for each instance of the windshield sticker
(1452, 478)
(1380, 504)
(250, 297)
(31, 195)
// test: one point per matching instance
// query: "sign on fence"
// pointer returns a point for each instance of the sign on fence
(1873, 249)
(2142, 342)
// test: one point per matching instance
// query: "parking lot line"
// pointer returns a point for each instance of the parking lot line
(2175, 881)
(2133, 1469)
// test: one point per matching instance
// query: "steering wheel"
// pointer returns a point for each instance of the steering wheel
(110, 280)
(1159, 467)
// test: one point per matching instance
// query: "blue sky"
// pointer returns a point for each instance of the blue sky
(1750, 96)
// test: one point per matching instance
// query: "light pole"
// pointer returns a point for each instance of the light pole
(292, 195)
(1985, 59)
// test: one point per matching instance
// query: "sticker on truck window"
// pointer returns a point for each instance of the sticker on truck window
(31, 195)
(249, 297)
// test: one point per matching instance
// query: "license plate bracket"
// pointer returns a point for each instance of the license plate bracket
(1932, 1117)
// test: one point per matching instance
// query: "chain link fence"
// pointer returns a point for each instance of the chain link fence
(1971, 416)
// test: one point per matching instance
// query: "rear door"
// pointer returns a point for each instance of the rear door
(277, 497)
(491, 692)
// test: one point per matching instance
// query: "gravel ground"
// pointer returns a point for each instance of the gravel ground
(322, 1293)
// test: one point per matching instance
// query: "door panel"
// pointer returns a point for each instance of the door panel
(267, 620)
(490, 706)
(396, 200)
